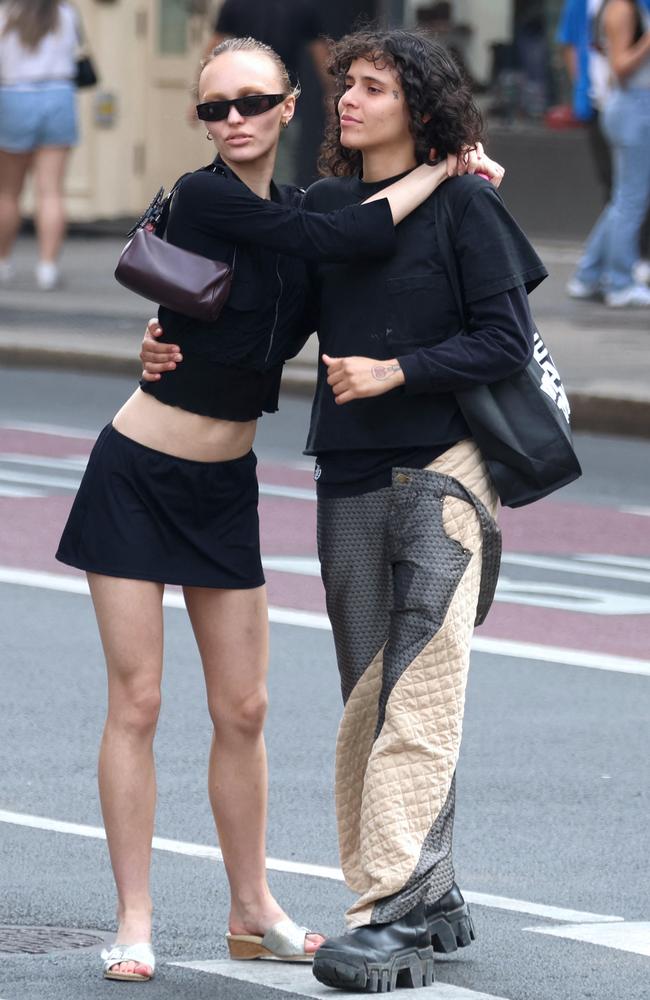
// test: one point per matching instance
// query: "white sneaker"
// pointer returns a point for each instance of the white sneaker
(641, 272)
(47, 275)
(632, 297)
(577, 289)
(7, 271)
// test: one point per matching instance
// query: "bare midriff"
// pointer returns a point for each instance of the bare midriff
(183, 434)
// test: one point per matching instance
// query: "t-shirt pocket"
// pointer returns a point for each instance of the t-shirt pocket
(414, 305)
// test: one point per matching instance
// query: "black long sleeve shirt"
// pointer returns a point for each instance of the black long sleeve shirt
(404, 307)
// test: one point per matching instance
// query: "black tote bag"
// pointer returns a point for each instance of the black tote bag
(520, 423)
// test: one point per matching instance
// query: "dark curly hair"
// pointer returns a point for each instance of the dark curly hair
(433, 86)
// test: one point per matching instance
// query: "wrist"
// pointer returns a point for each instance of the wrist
(388, 372)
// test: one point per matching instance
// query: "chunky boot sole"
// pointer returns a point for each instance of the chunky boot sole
(413, 968)
(451, 930)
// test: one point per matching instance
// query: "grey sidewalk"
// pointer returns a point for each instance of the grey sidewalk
(91, 323)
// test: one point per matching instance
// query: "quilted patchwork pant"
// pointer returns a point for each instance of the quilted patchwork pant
(408, 571)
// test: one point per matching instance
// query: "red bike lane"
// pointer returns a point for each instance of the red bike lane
(559, 556)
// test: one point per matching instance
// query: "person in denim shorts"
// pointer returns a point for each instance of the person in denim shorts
(38, 123)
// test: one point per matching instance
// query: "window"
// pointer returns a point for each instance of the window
(172, 39)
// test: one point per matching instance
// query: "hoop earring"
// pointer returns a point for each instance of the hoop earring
(208, 137)
(284, 123)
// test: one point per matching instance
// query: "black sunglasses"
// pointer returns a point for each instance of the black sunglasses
(248, 107)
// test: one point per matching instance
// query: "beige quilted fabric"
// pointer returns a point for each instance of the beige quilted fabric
(389, 792)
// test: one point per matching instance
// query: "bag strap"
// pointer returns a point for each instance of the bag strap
(443, 220)
(160, 225)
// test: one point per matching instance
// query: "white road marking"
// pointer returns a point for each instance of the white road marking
(537, 909)
(19, 491)
(563, 597)
(298, 979)
(557, 654)
(596, 565)
(313, 619)
(209, 853)
(641, 511)
(75, 463)
(585, 600)
(640, 562)
(292, 492)
(37, 479)
(633, 937)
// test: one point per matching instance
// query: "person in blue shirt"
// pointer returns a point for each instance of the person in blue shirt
(574, 34)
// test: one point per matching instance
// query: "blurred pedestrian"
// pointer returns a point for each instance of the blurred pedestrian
(588, 69)
(39, 40)
(607, 264)
(290, 27)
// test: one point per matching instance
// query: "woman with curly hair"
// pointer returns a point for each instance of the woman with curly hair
(407, 537)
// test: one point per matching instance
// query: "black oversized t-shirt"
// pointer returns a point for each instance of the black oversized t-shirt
(404, 307)
(286, 25)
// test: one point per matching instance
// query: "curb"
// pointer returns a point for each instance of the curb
(590, 412)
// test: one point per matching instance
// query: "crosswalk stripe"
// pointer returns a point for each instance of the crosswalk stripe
(298, 979)
(632, 936)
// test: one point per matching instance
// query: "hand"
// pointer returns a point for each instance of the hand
(157, 357)
(475, 161)
(359, 378)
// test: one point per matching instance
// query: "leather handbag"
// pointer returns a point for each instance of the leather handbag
(175, 278)
(86, 74)
(520, 423)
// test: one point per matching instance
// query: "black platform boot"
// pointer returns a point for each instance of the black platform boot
(378, 957)
(450, 924)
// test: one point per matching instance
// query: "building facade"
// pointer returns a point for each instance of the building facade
(135, 130)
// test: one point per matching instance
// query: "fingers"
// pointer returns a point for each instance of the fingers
(452, 165)
(154, 329)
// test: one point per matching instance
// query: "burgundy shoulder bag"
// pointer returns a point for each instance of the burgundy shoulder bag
(175, 278)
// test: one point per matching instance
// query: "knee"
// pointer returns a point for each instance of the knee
(135, 710)
(241, 717)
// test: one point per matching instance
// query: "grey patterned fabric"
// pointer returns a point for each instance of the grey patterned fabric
(352, 548)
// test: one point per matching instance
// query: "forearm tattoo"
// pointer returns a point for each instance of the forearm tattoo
(381, 372)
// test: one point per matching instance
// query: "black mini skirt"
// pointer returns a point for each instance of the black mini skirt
(144, 515)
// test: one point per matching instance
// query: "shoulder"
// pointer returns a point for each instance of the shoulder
(459, 193)
(203, 181)
(329, 192)
(290, 194)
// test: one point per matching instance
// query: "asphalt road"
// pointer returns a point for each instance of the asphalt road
(551, 837)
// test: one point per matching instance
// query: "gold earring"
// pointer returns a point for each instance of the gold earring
(284, 123)
(208, 137)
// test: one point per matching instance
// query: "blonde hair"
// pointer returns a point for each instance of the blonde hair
(254, 45)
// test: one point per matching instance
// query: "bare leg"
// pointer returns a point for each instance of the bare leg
(231, 629)
(129, 615)
(13, 170)
(49, 173)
